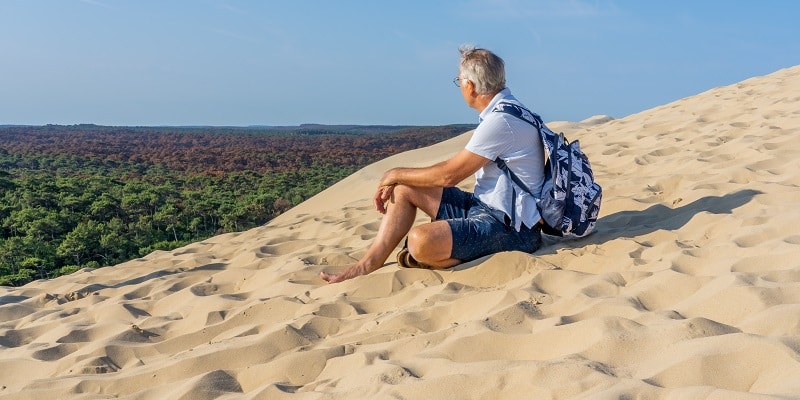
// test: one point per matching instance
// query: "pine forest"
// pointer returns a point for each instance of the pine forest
(87, 196)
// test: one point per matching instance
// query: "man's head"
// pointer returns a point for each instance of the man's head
(483, 68)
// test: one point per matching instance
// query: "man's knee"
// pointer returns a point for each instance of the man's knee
(416, 241)
(430, 242)
(426, 199)
(403, 192)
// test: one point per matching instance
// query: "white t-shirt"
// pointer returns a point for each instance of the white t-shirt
(518, 143)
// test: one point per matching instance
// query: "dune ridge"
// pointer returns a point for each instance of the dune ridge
(689, 289)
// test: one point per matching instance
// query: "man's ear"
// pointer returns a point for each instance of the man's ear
(470, 88)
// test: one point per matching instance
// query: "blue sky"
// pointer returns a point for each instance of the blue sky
(227, 62)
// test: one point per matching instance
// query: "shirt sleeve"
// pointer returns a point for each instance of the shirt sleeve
(488, 140)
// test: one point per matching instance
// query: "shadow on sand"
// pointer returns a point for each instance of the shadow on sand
(654, 218)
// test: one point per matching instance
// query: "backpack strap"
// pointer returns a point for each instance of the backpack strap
(527, 116)
(511, 175)
(548, 136)
(504, 167)
(519, 112)
(533, 119)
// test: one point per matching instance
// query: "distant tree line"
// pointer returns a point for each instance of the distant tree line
(88, 196)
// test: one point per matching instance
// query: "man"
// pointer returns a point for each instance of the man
(464, 226)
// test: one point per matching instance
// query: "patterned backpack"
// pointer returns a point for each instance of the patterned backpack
(570, 198)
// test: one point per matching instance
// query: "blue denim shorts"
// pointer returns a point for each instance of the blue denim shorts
(479, 230)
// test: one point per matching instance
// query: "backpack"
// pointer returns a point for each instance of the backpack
(570, 198)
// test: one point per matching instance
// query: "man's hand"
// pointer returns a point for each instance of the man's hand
(352, 272)
(382, 196)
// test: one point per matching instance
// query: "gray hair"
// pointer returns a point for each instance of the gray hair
(485, 69)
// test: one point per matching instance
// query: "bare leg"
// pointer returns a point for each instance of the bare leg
(396, 223)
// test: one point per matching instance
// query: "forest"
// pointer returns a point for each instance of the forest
(88, 196)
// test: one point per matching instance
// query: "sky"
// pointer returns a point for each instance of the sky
(370, 62)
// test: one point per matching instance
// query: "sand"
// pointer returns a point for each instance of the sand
(690, 288)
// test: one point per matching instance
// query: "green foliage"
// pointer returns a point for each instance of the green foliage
(68, 269)
(88, 196)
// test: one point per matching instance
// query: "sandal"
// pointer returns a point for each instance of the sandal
(405, 260)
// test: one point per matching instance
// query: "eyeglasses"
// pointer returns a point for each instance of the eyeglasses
(457, 81)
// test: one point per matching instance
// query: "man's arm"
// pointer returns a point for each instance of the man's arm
(444, 174)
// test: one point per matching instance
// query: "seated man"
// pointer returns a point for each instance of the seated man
(464, 226)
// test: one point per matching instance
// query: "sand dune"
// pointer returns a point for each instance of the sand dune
(690, 289)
